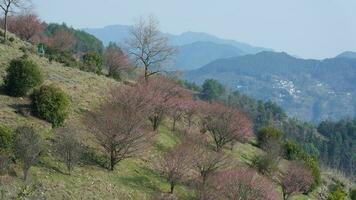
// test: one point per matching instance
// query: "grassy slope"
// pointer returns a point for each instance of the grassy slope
(133, 179)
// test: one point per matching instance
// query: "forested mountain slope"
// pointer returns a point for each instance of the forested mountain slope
(311, 90)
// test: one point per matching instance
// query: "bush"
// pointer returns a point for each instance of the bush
(22, 75)
(353, 194)
(337, 193)
(51, 104)
(292, 151)
(6, 138)
(63, 57)
(266, 165)
(267, 135)
(92, 62)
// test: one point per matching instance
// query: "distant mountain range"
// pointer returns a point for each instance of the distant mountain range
(312, 90)
(194, 49)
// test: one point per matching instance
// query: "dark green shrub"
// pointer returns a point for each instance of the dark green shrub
(337, 193)
(22, 75)
(266, 164)
(6, 138)
(51, 104)
(92, 62)
(63, 57)
(353, 194)
(11, 39)
(268, 135)
(292, 151)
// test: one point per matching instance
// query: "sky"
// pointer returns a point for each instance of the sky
(305, 28)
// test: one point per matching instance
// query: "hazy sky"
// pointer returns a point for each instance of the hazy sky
(306, 28)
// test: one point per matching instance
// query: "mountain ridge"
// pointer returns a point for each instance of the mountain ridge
(308, 89)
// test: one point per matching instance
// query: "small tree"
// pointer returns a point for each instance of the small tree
(268, 136)
(67, 147)
(93, 62)
(120, 125)
(162, 94)
(353, 194)
(206, 162)
(243, 184)
(149, 47)
(6, 138)
(22, 75)
(115, 61)
(8, 6)
(175, 164)
(50, 103)
(26, 26)
(337, 192)
(225, 124)
(179, 106)
(28, 147)
(296, 179)
(270, 140)
(211, 90)
(266, 164)
(62, 40)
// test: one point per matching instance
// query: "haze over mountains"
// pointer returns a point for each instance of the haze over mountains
(312, 90)
(194, 49)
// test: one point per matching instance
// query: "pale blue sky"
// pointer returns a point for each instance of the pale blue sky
(307, 28)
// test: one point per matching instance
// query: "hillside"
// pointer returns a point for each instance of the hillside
(311, 90)
(134, 178)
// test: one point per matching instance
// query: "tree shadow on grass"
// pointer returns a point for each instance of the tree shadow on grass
(49, 165)
(89, 156)
(22, 109)
(143, 180)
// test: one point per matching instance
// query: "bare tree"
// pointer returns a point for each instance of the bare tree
(175, 164)
(242, 184)
(8, 6)
(28, 147)
(67, 147)
(161, 93)
(148, 46)
(115, 60)
(225, 124)
(296, 180)
(206, 162)
(62, 40)
(119, 125)
(26, 26)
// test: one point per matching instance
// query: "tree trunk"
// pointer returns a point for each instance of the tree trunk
(172, 188)
(146, 73)
(174, 125)
(112, 160)
(5, 26)
(25, 174)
